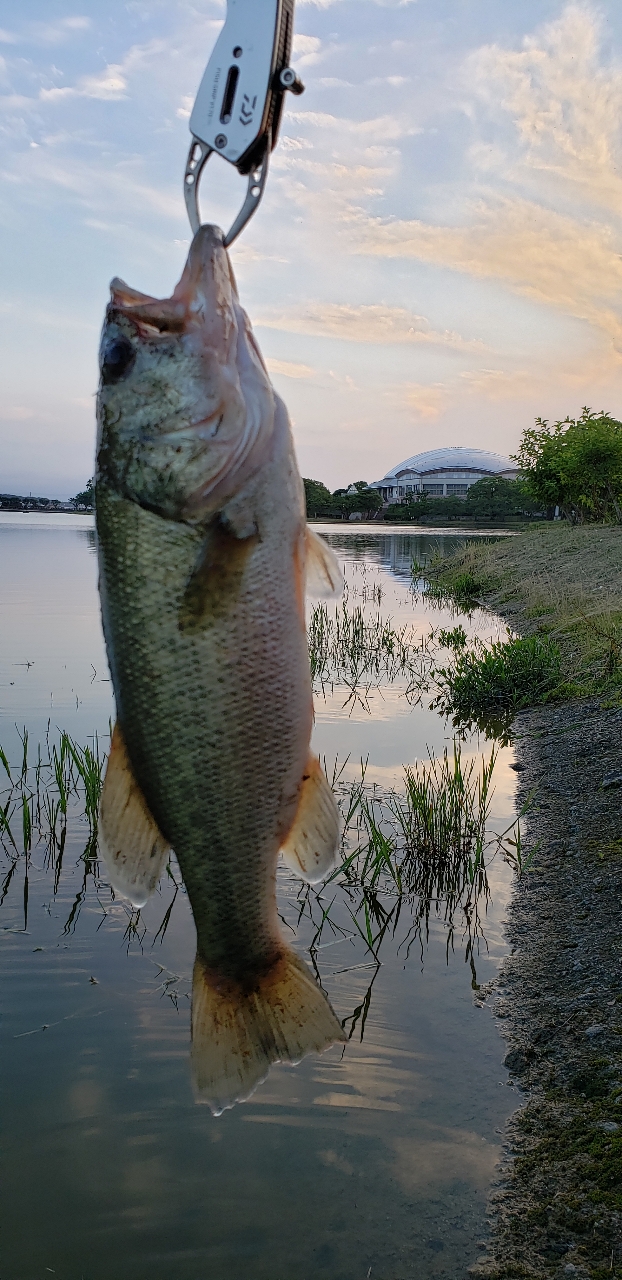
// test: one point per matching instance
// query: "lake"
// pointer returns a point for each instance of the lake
(371, 1161)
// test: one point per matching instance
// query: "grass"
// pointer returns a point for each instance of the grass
(408, 855)
(349, 648)
(484, 686)
(38, 795)
(552, 580)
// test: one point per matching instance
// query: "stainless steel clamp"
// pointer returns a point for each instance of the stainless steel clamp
(240, 100)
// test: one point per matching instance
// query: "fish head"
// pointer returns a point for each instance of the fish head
(185, 406)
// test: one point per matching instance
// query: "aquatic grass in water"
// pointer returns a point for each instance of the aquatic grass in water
(417, 852)
(349, 648)
(410, 857)
(65, 776)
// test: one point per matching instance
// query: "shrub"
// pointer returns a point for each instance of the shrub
(487, 682)
(575, 464)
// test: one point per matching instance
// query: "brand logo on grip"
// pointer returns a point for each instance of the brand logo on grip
(247, 109)
(212, 101)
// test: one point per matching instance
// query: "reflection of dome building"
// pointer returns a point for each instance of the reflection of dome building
(443, 473)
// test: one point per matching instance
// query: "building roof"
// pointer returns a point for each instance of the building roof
(452, 459)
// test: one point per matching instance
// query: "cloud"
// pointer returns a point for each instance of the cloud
(114, 190)
(333, 82)
(55, 32)
(564, 103)
(380, 129)
(109, 85)
(306, 50)
(185, 110)
(373, 323)
(571, 265)
(423, 401)
(394, 81)
(15, 413)
(500, 384)
(287, 369)
(295, 144)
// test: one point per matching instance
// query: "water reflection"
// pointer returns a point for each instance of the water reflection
(409, 858)
(395, 551)
(379, 1156)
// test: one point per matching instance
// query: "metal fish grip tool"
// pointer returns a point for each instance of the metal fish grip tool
(240, 100)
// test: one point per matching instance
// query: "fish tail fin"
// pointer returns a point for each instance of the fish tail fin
(237, 1033)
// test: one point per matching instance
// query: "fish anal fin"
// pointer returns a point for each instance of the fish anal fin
(237, 1032)
(130, 842)
(312, 846)
(323, 574)
(216, 580)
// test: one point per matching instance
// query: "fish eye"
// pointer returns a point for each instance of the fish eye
(118, 358)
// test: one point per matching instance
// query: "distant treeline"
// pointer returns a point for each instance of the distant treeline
(492, 498)
(13, 502)
(340, 505)
(84, 501)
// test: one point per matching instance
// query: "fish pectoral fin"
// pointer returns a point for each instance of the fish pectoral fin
(130, 841)
(323, 574)
(312, 846)
(237, 1033)
(216, 579)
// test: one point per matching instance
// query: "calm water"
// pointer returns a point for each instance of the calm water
(373, 1161)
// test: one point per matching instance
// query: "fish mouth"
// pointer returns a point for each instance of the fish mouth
(202, 300)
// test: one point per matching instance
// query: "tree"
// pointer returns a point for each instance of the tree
(365, 500)
(318, 497)
(575, 464)
(86, 498)
(369, 500)
(410, 508)
(494, 498)
(448, 508)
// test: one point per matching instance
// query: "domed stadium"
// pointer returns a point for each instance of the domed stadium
(443, 473)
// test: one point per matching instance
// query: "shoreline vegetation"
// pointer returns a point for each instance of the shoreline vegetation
(557, 1207)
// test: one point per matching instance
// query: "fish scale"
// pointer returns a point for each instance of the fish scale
(204, 554)
(238, 700)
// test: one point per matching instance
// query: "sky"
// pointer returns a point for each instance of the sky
(438, 256)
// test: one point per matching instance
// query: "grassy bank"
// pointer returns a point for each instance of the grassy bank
(556, 581)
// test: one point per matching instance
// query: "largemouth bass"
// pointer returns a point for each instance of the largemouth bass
(204, 552)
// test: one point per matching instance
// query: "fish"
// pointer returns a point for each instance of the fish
(204, 559)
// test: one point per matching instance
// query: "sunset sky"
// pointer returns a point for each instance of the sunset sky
(437, 259)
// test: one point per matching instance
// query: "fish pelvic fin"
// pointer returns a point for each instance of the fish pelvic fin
(311, 849)
(323, 574)
(130, 842)
(237, 1033)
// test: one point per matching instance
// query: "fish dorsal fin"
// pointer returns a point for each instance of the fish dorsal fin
(323, 575)
(312, 846)
(130, 842)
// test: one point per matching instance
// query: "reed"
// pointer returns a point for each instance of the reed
(409, 855)
(65, 778)
(349, 648)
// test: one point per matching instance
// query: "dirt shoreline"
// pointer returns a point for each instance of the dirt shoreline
(556, 1207)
